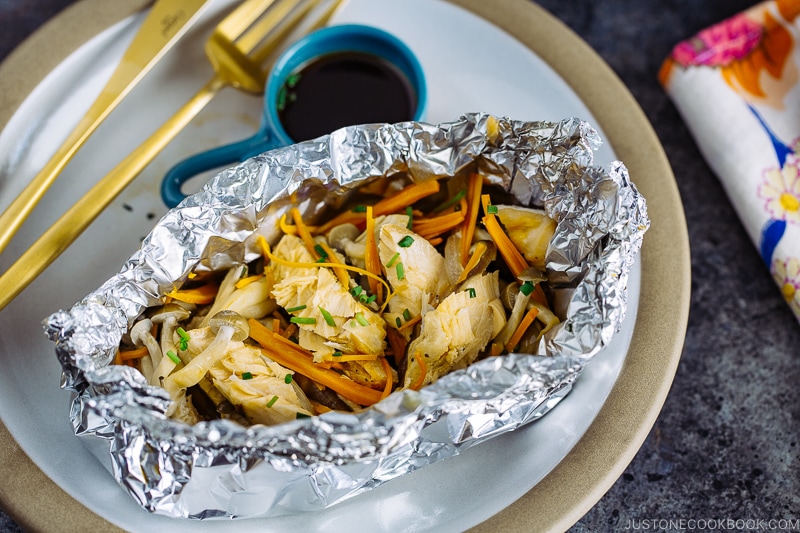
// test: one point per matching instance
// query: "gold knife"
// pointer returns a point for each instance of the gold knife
(165, 24)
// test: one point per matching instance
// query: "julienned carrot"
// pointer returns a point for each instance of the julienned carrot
(136, 353)
(203, 294)
(303, 232)
(397, 202)
(398, 344)
(387, 389)
(341, 273)
(473, 204)
(480, 249)
(293, 357)
(516, 263)
(423, 371)
(524, 324)
(371, 258)
(429, 228)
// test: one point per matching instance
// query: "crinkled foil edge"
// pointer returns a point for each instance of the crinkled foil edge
(220, 469)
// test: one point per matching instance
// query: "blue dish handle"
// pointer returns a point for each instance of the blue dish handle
(219, 157)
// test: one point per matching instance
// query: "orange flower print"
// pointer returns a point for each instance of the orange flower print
(781, 191)
(786, 274)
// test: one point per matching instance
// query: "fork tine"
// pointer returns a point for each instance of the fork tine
(242, 17)
(261, 27)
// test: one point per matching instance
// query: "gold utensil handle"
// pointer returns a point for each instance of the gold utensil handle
(167, 21)
(72, 223)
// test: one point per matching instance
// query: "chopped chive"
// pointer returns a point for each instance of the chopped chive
(182, 334)
(360, 209)
(451, 202)
(392, 260)
(327, 316)
(370, 299)
(355, 291)
(492, 209)
(526, 288)
(322, 259)
(243, 273)
(406, 241)
(337, 353)
(183, 344)
(363, 297)
(406, 315)
(320, 250)
(472, 293)
(296, 308)
(303, 320)
(272, 401)
(173, 357)
(287, 379)
(398, 322)
(362, 319)
(401, 273)
(247, 375)
(298, 416)
(281, 99)
(410, 213)
(292, 80)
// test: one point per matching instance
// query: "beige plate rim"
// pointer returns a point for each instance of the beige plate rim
(621, 426)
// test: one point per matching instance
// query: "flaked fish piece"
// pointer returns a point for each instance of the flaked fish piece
(259, 386)
(354, 328)
(531, 231)
(453, 335)
(420, 281)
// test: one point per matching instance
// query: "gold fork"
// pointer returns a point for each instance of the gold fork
(237, 48)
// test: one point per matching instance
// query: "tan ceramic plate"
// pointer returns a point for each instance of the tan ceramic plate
(622, 424)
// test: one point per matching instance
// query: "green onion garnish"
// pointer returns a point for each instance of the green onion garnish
(327, 316)
(243, 273)
(492, 209)
(360, 209)
(370, 299)
(322, 259)
(398, 321)
(337, 353)
(401, 273)
(472, 293)
(451, 202)
(410, 213)
(303, 320)
(406, 241)
(272, 401)
(292, 80)
(173, 357)
(281, 99)
(247, 375)
(296, 308)
(320, 250)
(355, 291)
(392, 260)
(526, 288)
(298, 416)
(183, 343)
(406, 315)
(362, 319)
(182, 334)
(287, 379)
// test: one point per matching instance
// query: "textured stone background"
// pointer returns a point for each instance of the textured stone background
(726, 443)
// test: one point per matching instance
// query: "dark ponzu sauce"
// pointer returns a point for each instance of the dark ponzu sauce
(344, 89)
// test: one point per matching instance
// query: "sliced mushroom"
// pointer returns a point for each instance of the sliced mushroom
(168, 317)
(141, 335)
(340, 235)
(229, 327)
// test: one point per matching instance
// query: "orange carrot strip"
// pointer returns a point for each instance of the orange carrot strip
(387, 389)
(303, 232)
(480, 249)
(398, 202)
(371, 258)
(244, 282)
(117, 358)
(473, 203)
(423, 372)
(204, 294)
(398, 344)
(436, 241)
(289, 331)
(510, 254)
(433, 227)
(341, 273)
(496, 349)
(136, 353)
(410, 323)
(276, 326)
(524, 324)
(345, 357)
(295, 358)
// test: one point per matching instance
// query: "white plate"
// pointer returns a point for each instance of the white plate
(470, 65)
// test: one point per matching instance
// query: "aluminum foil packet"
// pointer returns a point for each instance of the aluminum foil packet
(221, 469)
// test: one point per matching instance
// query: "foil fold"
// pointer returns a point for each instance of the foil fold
(220, 469)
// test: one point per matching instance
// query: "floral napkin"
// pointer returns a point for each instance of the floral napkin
(737, 86)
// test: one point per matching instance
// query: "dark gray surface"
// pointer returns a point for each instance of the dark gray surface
(725, 446)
